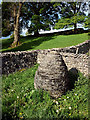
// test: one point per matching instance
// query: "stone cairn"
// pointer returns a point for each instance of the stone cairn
(52, 74)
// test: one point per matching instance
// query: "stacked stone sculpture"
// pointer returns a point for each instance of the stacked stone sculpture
(52, 74)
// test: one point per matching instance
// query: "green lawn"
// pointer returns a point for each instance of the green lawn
(21, 101)
(45, 42)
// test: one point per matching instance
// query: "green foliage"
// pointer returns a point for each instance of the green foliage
(45, 42)
(6, 28)
(12, 36)
(67, 22)
(7, 16)
(87, 22)
(71, 14)
(21, 101)
(43, 16)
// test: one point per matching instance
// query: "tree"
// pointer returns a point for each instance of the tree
(71, 14)
(43, 16)
(11, 20)
(16, 23)
(7, 26)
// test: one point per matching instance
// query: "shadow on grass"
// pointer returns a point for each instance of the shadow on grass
(6, 43)
(59, 118)
(6, 116)
(73, 76)
(74, 118)
(30, 43)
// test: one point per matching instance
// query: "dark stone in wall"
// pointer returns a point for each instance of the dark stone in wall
(12, 62)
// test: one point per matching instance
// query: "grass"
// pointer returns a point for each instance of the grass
(21, 101)
(45, 42)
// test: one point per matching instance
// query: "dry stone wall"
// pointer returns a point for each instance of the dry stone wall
(14, 61)
(78, 61)
(73, 56)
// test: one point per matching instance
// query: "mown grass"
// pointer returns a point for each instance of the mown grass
(45, 42)
(21, 101)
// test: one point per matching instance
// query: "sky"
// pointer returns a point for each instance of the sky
(0, 1)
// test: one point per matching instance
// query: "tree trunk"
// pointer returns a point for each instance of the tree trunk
(75, 24)
(16, 25)
(75, 27)
(36, 33)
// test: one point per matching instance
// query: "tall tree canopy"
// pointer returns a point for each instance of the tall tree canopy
(71, 14)
(7, 21)
(43, 16)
